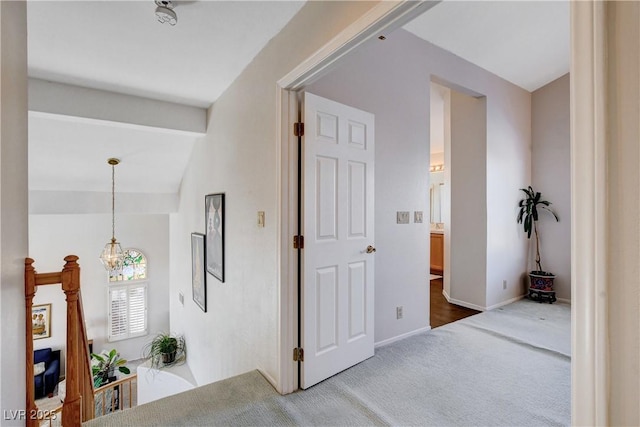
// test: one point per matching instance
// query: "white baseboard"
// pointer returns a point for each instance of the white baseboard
(564, 301)
(478, 307)
(401, 337)
(462, 303)
(269, 378)
(509, 301)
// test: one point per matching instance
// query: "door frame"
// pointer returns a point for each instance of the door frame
(385, 16)
(589, 379)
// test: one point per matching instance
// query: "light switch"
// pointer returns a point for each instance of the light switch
(260, 219)
(417, 217)
(402, 217)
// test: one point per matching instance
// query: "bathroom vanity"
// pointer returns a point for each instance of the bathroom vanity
(437, 252)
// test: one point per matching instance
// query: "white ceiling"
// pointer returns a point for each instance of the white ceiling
(119, 46)
(524, 42)
(82, 163)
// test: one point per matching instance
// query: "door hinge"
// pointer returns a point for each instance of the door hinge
(298, 129)
(298, 354)
(298, 242)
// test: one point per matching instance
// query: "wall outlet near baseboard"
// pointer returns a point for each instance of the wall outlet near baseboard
(399, 312)
(504, 284)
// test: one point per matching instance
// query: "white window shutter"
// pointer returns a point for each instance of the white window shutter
(117, 313)
(127, 311)
(137, 310)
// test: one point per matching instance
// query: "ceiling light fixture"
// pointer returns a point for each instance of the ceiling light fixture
(112, 255)
(165, 13)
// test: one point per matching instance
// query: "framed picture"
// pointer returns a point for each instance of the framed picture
(198, 274)
(41, 321)
(214, 214)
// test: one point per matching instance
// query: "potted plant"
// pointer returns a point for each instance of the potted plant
(103, 367)
(165, 349)
(540, 281)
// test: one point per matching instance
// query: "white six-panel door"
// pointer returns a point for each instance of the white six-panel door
(338, 270)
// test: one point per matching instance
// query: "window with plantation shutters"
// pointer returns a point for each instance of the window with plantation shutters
(128, 298)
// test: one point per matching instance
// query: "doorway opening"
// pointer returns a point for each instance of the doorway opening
(442, 310)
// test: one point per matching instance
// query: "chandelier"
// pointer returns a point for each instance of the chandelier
(112, 255)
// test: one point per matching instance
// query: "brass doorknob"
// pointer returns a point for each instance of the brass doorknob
(370, 249)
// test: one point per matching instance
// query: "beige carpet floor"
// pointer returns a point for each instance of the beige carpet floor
(507, 367)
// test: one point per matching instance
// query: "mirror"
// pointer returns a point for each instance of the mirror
(435, 196)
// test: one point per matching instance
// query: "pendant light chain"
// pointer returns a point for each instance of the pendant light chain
(113, 201)
(112, 255)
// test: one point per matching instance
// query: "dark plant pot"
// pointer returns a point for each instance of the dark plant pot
(105, 378)
(541, 287)
(541, 281)
(168, 357)
(109, 373)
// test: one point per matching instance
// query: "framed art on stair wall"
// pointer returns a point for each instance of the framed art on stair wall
(41, 321)
(198, 273)
(214, 215)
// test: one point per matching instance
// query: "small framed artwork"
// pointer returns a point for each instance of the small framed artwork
(214, 215)
(198, 274)
(41, 321)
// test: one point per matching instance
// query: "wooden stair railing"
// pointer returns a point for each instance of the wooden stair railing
(85, 381)
(79, 401)
(105, 396)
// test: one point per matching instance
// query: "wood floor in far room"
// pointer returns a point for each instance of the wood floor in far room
(442, 312)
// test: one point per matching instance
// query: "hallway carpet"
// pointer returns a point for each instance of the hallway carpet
(506, 367)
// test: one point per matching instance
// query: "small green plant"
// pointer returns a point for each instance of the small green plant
(103, 366)
(166, 350)
(528, 216)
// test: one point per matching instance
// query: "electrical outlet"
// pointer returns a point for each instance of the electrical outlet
(504, 284)
(260, 219)
(181, 298)
(402, 217)
(399, 312)
(417, 217)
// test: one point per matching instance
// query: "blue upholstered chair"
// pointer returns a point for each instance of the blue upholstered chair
(45, 382)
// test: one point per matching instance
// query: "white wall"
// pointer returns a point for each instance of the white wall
(399, 98)
(436, 113)
(371, 79)
(551, 176)
(467, 228)
(13, 204)
(239, 156)
(52, 237)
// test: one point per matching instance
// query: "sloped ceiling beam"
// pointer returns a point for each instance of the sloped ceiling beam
(92, 104)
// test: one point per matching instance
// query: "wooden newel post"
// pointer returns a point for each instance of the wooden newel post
(29, 293)
(71, 411)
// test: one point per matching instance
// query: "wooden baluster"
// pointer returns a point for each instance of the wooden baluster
(71, 412)
(79, 401)
(86, 381)
(29, 292)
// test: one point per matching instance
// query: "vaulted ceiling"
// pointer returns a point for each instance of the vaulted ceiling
(118, 46)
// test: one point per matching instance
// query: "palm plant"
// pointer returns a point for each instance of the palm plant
(528, 215)
(103, 366)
